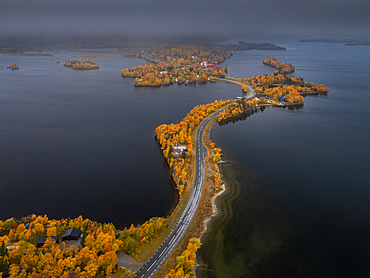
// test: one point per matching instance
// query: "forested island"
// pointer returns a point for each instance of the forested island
(13, 67)
(81, 65)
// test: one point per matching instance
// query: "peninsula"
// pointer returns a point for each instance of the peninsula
(284, 68)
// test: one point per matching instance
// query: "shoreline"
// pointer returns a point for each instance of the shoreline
(213, 199)
(215, 209)
(90, 57)
(28, 54)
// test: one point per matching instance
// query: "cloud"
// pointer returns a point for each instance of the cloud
(227, 18)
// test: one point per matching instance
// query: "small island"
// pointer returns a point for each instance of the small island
(13, 67)
(81, 65)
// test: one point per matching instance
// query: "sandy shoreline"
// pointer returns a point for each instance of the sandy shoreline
(214, 209)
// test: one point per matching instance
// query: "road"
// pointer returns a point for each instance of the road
(251, 91)
(177, 233)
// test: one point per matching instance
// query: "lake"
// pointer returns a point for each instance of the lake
(297, 202)
(82, 142)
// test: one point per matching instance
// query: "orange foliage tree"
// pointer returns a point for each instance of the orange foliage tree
(186, 261)
(96, 255)
(173, 135)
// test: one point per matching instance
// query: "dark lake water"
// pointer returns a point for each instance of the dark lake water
(82, 142)
(297, 205)
(298, 197)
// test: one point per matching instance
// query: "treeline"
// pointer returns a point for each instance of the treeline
(248, 46)
(178, 71)
(81, 65)
(213, 53)
(13, 67)
(278, 85)
(271, 89)
(284, 68)
(238, 107)
(134, 237)
(186, 262)
(282, 84)
(94, 255)
(216, 157)
(173, 135)
(192, 52)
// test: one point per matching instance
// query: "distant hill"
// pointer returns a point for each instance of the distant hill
(345, 41)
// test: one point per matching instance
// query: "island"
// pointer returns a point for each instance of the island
(81, 65)
(13, 67)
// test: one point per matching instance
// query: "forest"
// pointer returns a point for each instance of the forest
(181, 64)
(95, 255)
(172, 135)
(81, 65)
(177, 71)
(186, 261)
(272, 89)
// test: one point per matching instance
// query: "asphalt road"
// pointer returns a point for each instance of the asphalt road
(164, 251)
(251, 91)
(177, 233)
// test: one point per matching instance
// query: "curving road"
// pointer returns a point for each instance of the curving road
(251, 91)
(164, 251)
(177, 233)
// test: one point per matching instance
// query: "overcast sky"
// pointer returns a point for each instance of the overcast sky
(231, 18)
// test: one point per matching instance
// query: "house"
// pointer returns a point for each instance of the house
(71, 234)
(204, 64)
(41, 241)
(218, 67)
(282, 98)
(178, 150)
